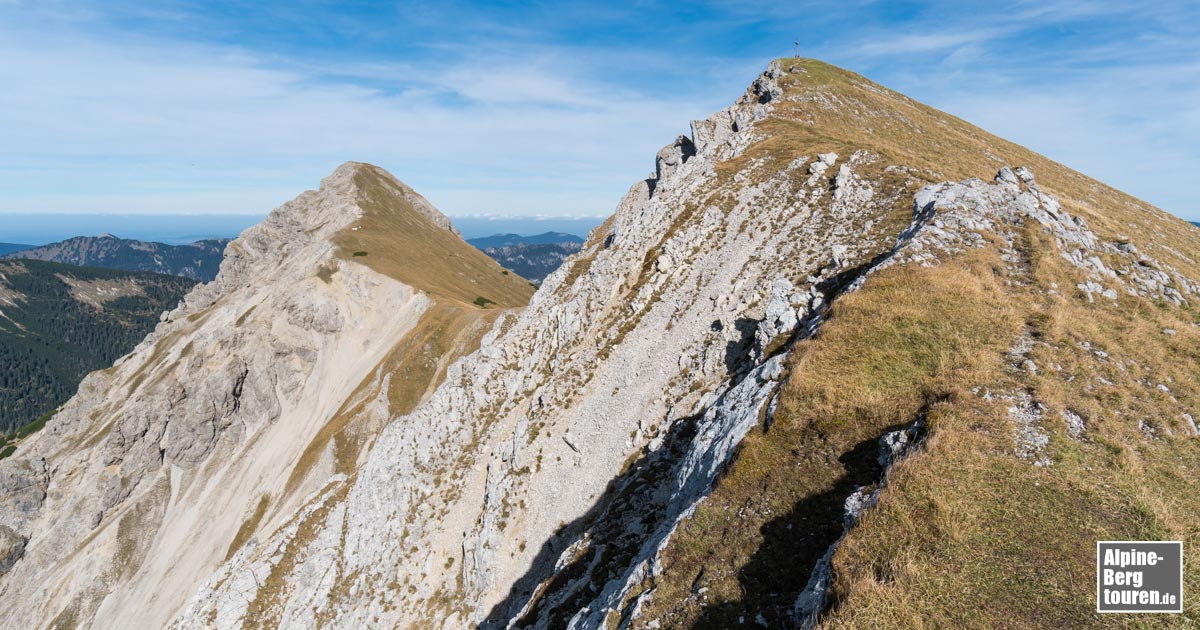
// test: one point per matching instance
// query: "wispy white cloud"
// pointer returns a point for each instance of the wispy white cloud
(928, 42)
(88, 119)
(1121, 126)
(177, 106)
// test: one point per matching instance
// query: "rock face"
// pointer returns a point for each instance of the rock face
(968, 209)
(266, 460)
(644, 343)
(12, 547)
(241, 402)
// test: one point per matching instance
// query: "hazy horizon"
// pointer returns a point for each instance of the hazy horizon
(177, 229)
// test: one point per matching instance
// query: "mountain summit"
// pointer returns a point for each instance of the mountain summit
(841, 359)
(245, 399)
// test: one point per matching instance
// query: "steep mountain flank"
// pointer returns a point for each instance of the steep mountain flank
(404, 237)
(198, 261)
(59, 322)
(1037, 337)
(840, 360)
(245, 399)
(798, 326)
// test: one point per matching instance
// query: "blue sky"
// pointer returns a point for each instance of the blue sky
(543, 108)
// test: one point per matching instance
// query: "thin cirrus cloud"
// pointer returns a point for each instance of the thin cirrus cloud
(92, 119)
(928, 43)
(174, 106)
(1101, 126)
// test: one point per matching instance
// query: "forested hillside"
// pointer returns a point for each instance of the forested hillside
(531, 257)
(59, 322)
(198, 261)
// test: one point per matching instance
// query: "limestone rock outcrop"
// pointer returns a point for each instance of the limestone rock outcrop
(217, 426)
(325, 438)
(12, 547)
(468, 505)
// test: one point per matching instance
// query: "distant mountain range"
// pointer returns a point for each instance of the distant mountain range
(8, 248)
(59, 322)
(198, 261)
(503, 240)
(531, 257)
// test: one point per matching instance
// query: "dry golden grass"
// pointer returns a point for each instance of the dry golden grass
(249, 526)
(908, 341)
(402, 243)
(966, 534)
(969, 536)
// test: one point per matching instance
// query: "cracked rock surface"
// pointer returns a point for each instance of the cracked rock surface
(539, 481)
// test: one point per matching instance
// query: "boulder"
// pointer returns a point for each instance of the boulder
(12, 547)
(780, 321)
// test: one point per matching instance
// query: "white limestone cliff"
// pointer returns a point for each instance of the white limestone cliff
(133, 492)
(467, 503)
(537, 485)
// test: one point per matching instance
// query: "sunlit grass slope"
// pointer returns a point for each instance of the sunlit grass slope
(966, 534)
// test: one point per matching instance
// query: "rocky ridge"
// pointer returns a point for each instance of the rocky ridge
(508, 499)
(561, 395)
(552, 476)
(504, 408)
(212, 427)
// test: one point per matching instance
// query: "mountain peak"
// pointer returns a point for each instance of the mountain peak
(370, 218)
(400, 234)
(369, 180)
(784, 343)
(339, 200)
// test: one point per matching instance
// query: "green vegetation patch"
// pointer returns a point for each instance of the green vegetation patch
(35, 426)
(49, 340)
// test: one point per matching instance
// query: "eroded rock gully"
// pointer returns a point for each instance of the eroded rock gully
(538, 483)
